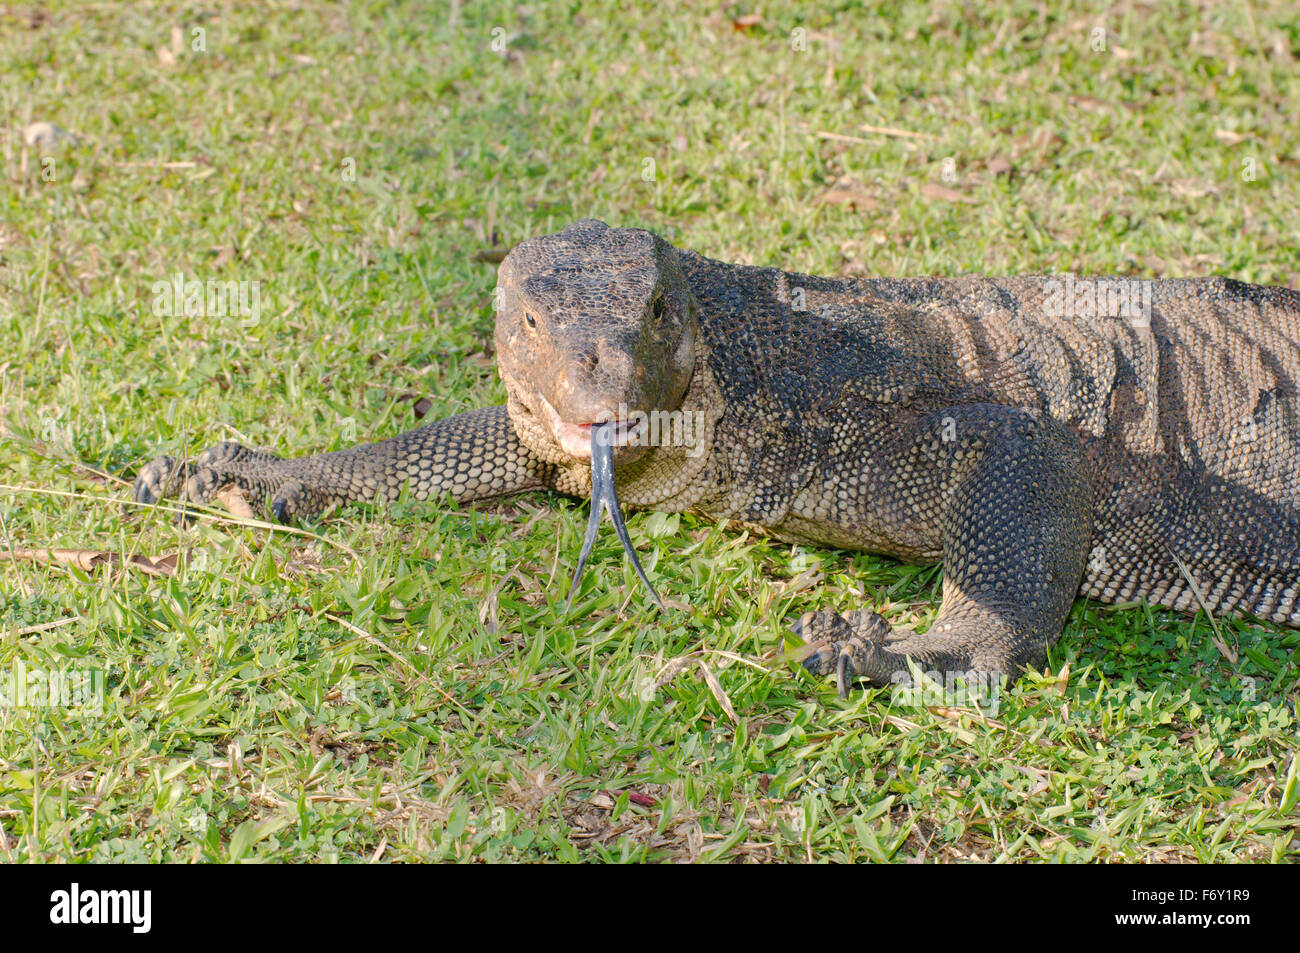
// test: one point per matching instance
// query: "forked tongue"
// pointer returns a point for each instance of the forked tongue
(605, 498)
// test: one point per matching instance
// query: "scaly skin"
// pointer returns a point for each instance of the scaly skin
(1038, 455)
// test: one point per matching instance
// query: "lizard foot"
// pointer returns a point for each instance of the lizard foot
(287, 502)
(226, 464)
(158, 478)
(199, 481)
(841, 643)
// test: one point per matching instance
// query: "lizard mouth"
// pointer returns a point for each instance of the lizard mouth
(575, 439)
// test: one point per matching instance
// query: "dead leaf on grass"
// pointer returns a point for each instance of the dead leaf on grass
(89, 560)
(609, 797)
(855, 198)
(940, 193)
(232, 497)
(998, 165)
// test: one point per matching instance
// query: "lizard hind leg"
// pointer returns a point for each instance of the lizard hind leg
(1015, 525)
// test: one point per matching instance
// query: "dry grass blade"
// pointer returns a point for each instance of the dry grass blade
(44, 626)
(889, 131)
(1227, 651)
(382, 646)
(737, 658)
(717, 691)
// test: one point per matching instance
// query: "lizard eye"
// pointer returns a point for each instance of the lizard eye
(529, 319)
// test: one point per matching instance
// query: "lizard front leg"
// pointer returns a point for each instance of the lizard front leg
(471, 456)
(1016, 524)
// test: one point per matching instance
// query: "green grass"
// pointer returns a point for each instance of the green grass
(402, 685)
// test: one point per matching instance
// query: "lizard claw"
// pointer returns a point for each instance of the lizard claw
(842, 645)
(844, 673)
(286, 502)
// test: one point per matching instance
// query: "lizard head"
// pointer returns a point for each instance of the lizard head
(594, 324)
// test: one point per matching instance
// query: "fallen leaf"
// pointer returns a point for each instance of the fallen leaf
(671, 670)
(856, 198)
(636, 797)
(487, 613)
(1061, 681)
(952, 714)
(998, 165)
(1091, 104)
(901, 723)
(89, 560)
(810, 578)
(940, 193)
(420, 404)
(1041, 140)
(746, 21)
(233, 498)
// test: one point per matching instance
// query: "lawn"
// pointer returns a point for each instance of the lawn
(399, 682)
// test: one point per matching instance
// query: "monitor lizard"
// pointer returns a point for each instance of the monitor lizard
(1043, 437)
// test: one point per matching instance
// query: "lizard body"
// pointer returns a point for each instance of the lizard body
(1042, 437)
